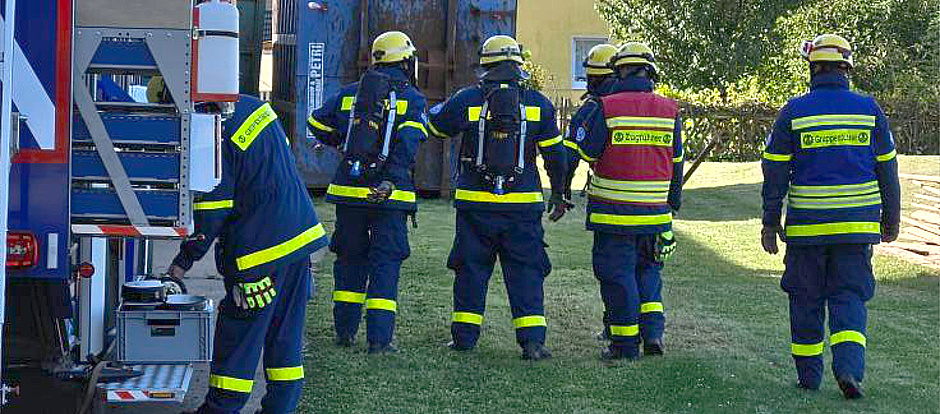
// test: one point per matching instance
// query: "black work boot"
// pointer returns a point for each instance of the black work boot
(344, 341)
(457, 347)
(653, 346)
(613, 352)
(534, 351)
(383, 349)
(803, 386)
(851, 389)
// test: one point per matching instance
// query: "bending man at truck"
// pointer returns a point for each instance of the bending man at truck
(267, 229)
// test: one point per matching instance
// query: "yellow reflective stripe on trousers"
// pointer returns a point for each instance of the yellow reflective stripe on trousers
(848, 336)
(833, 190)
(678, 159)
(416, 125)
(213, 205)
(832, 229)
(807, 349)
(809, 203)
(550, 142)
(276, 252)
(253, 125)
(319, 125)
(488, 197)
(349, 297)
(529, 321)
(641, 121)
(467, 317)
(777, 157)
(284, 374)
(833, 120)
(629, 220)
(650, 307)
(230, 383)
(887, 157)
(624, 330)
(382, 304)
(363, 193)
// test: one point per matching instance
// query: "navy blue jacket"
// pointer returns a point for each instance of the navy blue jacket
(461, 113)
(329, 124)
(578, 121)
(590, 139)
(832, 156)
(260, 210)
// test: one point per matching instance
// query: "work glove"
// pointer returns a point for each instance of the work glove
(381, 192)
(768, 238)
(254, 295)
(889, 233)
(557, 207)
(665, 246)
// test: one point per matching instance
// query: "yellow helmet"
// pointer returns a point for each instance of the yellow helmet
(391, 47)
(597, 62)
(499, 48)
(634, 53)
(828, 48)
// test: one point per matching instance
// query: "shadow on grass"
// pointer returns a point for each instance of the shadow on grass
(733, 202)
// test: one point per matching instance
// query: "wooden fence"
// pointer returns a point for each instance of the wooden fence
(739, 133)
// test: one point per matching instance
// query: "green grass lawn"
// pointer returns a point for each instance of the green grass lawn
(727, 332)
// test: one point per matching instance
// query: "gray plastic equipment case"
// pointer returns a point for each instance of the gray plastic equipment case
(164, 336)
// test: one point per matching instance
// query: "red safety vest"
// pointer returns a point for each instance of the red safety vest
(637, 165)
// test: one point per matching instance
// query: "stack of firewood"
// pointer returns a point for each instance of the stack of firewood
(920, 228)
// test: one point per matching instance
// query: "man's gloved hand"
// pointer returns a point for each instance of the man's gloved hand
(176, 272)
(768, 238)
(665, 246)
(557, 207)
(889, 233)
(381, 192)
(254, 295)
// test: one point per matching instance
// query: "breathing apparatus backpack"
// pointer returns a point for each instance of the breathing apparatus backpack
(500, 144)
(371, 126)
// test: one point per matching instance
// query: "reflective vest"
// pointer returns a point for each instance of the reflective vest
(630, 186)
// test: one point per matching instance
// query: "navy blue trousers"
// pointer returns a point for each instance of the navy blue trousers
(838, 277)
(516, 238)
(370, 246)
(631, 287)
(240, 336)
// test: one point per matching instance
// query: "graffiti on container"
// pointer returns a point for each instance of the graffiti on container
(315, 77)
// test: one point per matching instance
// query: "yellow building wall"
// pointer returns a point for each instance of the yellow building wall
(547, 28)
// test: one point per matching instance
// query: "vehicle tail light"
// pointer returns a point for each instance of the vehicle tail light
(22, 250)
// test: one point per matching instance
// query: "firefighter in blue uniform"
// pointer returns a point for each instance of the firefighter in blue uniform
(378, 123)
(267, 230)
(600, 79)
(499, 194)
(831, 154)
(632, 138)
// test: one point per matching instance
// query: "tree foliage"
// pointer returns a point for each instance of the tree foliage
(736, 50)
(701, 43)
